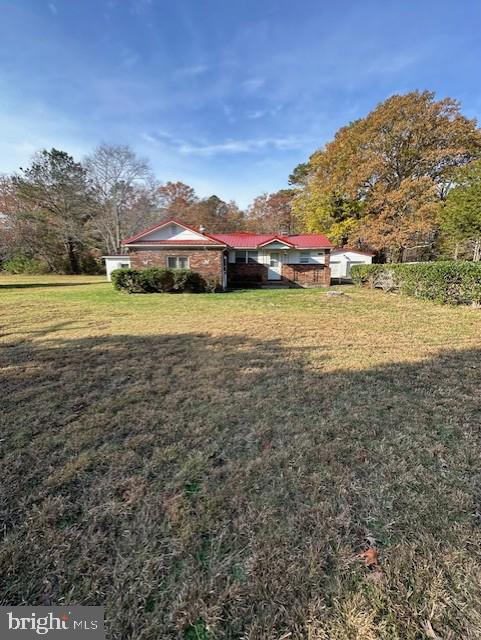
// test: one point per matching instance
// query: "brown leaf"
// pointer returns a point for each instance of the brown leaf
(370, 557)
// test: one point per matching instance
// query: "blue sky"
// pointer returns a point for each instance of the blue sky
(225, 95)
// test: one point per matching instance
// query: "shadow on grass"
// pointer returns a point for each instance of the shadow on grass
(39, 285)
(188, 481)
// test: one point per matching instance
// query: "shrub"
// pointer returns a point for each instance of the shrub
(91, 265)
(21, 264)
(160, 280)
(211, 284)
(449, 282)
(127, 280)
(188, 281)
(156, 280)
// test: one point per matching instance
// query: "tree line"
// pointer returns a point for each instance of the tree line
(405, 181)
(61, 215)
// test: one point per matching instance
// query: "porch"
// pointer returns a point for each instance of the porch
(289, 275)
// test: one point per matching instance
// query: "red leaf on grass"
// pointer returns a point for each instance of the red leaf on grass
(370, 557)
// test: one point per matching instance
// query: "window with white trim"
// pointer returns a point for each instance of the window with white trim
(246, 257)
(178, 262)
(305, 257)
(124, 265)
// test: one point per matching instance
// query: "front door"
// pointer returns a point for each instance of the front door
(274, 268)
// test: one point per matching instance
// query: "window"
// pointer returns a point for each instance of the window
(243, 257)
(178, 262)
(305, 257)
(124, 265)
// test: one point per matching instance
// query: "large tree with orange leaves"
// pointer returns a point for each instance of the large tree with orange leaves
(389, 170)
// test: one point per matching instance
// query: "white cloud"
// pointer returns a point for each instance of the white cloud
(129, 58)
(255, 115)
(252, 84)
(28, 132)
(242, 146)
(392, 64)
(250, 145)
(194, 70)
(140, 6)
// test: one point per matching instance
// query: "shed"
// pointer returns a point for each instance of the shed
(115, 262)
(343, 259)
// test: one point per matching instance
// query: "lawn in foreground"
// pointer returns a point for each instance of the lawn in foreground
(211, 466)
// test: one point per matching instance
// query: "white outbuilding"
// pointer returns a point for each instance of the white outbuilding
(115, 262)
(343, 259)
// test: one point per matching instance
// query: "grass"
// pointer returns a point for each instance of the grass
(212, 466)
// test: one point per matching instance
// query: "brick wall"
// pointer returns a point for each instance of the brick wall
(306, 275)
(207, 262)
(296, 275)
(245, 275)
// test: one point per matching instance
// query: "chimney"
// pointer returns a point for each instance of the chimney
(202, 228)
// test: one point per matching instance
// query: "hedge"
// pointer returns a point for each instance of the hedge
(160, 280)
(449, 282)
(21, 264)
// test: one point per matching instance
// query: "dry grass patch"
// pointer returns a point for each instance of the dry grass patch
(213, 466)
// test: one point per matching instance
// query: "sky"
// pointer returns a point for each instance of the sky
(225, 95)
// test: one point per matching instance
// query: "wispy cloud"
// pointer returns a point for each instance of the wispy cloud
(194, 70)
(53, 8)
(255, 115)
(139, 7)
(253, 84)
(242, 146)
(392, 64)
(248, 145)
(129, 58)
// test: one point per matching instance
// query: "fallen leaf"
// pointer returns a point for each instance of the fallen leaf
(370, 557)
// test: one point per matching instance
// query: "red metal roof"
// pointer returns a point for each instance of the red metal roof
(238, 240)
(245, 240)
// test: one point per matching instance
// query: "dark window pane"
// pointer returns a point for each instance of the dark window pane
(240, 257)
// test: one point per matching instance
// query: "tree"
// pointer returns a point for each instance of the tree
(53, 195)
(211, 213)
(461, 215)
(328, 211)
(272, 213)
(180, 200)
(176, 198)
(397, 163)
(300, 174)
(121, 180)
(215, 215)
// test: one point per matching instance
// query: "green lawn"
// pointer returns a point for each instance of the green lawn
(212, 466)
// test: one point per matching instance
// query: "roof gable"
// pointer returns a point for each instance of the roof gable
(170, 231)
(276, 243)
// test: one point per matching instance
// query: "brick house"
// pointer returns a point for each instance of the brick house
(234, 259)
